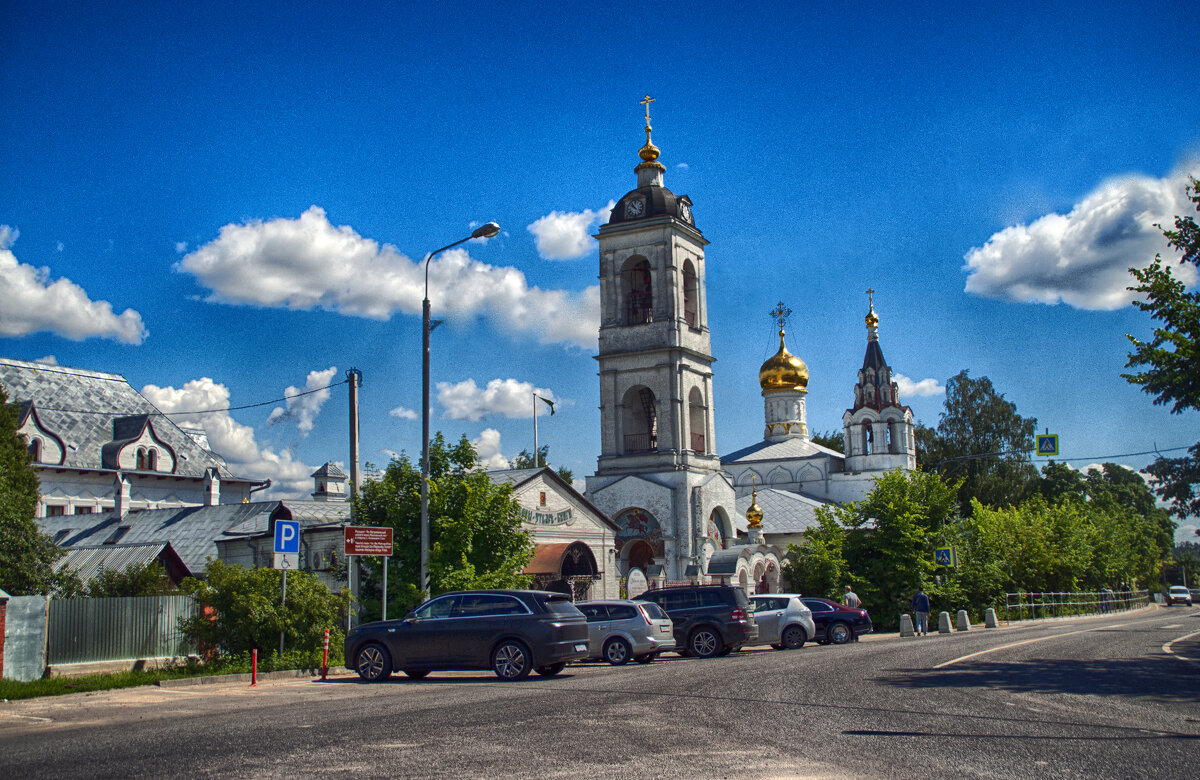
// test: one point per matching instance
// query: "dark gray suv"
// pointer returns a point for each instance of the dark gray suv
(709, 620)
(511, 632)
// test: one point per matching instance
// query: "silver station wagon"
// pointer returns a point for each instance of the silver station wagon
(620, 629)
(784, 622)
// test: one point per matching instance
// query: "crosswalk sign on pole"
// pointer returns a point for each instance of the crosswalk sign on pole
(945, 556)
(1047, 444)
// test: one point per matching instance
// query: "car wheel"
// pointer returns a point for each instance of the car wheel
(511, 660)
(840, 633)
(373, 662)
(777, 647)
(645, 658)
(416, 674)
(552, 669)
(794, 637)
(726, 650)
(704, 643)
(617, 651)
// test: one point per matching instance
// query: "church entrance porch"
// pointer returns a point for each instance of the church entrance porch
(564, 568)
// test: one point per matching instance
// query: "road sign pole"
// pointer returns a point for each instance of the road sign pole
(283, 603)
(385, 568)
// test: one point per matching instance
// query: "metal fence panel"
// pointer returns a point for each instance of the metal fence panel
(1033, 605)
(25, 638)
(117, 629)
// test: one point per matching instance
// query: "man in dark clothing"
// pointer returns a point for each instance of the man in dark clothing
(920, 605)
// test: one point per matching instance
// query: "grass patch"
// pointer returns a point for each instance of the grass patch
(240, 664)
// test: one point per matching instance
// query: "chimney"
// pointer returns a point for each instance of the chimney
(212, 487)
(121, 495)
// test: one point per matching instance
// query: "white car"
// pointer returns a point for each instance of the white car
(1178, 594)
(784, 622)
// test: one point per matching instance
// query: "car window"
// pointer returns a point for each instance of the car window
(560, 605)
(593, 612)
(621, 612)
(711, 597)
(654, 611)
(740, 598)
(818, 606)
(488, 604)
(677, 599)
(438, 608)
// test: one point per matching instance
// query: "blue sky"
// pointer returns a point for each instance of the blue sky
(221, 202)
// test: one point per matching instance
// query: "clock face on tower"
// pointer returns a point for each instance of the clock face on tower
(635, 208)
(685, 211)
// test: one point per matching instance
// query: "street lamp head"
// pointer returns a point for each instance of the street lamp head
(486, 231)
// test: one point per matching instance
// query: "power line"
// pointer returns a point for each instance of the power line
(156, 412)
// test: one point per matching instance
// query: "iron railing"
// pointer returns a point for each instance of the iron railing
(641, 442)
(1029, 605)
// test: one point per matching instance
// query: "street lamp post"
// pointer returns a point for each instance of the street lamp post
(483, 231)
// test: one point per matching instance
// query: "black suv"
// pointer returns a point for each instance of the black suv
(709, 620)
(509, 631)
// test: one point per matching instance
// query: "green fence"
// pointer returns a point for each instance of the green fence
(1033, 605)
(116, 629)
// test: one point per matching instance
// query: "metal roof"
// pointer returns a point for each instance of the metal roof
(787, 449)
(784, 512)
(87, 562)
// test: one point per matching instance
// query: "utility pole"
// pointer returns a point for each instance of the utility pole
(355, 378)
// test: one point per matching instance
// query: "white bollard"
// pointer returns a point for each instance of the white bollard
(906, 625)
(943, 622)
(989, 619)
(964, 622)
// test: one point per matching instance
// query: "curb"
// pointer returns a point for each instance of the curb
(241, 677)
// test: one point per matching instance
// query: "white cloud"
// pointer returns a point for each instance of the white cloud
(565, 235)
(1082, 258)
(303, 405)
(908, 387)
(59, 246)
(467, 401)
(404, 413)
(49, 360)
(180, 247)
(681, 166)
(230, 439)
(30, 303)
(487, 447)
(307, 263)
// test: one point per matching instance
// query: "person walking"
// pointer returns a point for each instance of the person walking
(920, 605)
(851, 598)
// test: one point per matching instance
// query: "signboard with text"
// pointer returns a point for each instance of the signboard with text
(367, 540)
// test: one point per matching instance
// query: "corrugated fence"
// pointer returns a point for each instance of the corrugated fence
(84, 630)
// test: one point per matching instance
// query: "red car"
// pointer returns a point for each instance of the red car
(838, 624)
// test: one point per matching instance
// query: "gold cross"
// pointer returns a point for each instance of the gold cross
(646, 102)
(871, 298)
(781, 313)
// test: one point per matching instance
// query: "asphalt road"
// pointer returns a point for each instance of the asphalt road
(1104, 697)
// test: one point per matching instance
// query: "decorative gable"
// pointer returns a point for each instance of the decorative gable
(136, 447)
(44, 445)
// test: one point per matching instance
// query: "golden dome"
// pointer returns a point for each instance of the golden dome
(872, 319)
(783, 371)
(649, 152)
(754, 514)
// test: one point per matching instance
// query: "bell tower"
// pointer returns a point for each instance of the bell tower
(655, 363)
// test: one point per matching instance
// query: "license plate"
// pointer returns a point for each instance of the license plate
(581, 648)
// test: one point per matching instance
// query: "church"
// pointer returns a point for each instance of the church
(682, 512)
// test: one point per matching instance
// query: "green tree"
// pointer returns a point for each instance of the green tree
(476, 531)
(27, 555)
(524, 460)
(816, 566)
(1168, 366)
(982, 441)
(891, 535)
(241, 610)
(148, 579)
(834, 440)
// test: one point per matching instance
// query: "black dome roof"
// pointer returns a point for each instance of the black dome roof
(658, 201)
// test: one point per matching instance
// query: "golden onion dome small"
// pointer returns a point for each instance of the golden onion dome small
(783, 371)
(649, 152)
(754, 514)
(872, 319)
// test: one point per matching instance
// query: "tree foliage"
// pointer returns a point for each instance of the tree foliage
(816, 566)
(981, 440)
(476, 533)
(148, 579)
(524, 460)
(1168, 366)
(241, 610)
(27, 555)
(834, 440)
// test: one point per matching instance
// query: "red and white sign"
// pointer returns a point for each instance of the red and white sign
(367, 540)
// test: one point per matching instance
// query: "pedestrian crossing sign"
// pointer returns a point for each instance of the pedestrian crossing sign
(1047, 444)
(945, 556)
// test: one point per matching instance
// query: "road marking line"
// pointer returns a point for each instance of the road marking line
(1167, 648)
(1017, 644)
(28, 717)
(175, 690)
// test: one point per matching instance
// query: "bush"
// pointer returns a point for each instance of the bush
(241, 611)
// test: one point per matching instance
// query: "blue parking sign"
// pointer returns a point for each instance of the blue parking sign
(287, 536)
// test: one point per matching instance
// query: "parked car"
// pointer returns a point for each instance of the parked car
(511, 632)
(621, 629)
(709, 620)
(1177, 594)
(837, 623)
(784, 621)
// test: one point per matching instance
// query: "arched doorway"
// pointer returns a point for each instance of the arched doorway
(564, 568)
